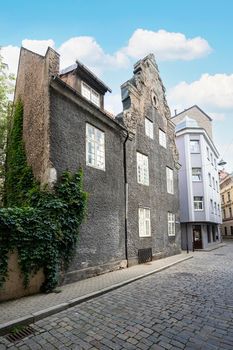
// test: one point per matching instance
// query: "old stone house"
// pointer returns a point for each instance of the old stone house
(130, 161)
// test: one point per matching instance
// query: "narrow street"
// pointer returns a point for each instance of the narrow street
(188, 306)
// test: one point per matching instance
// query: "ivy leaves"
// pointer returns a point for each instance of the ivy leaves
(41, 225)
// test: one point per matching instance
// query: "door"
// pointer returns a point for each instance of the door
(197, 239)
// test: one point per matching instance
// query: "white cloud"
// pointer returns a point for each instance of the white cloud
(166, 45)
(10, 56)
(87, 50)
(113, 103)
(213, 93)
(38, 46)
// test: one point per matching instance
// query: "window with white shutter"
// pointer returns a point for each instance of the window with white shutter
(142, 169)
(144, 222)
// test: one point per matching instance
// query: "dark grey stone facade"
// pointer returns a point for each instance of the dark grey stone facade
(109, 237)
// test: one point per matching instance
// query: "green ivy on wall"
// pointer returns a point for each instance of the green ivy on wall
(41, 225)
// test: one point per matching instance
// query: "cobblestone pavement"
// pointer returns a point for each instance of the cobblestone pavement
(189, 306)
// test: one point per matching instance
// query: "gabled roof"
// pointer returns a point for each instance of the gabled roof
(194, 106)
(81, 67)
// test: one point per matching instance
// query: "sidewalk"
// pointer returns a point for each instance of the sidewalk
(32, 308)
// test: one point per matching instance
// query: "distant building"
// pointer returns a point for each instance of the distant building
(226, 191)
(129, 161)
(200, 207)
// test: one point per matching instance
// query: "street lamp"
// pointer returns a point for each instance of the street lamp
(222, 162)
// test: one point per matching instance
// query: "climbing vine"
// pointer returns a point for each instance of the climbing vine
(44, 228)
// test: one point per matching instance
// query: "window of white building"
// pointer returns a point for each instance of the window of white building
(208, 152)
(142, 169)
(144, 222)
(211, 158)
(213, 183)
(162, 138)
(215, 208)
(149, 128)
(211, 206)
(218, 209)
(95, 152)
(194, 146)
(171, 224)
(90, 94)
(210, 182)
(198, 203)
(196, 174)
(217, 186)
(170, 180)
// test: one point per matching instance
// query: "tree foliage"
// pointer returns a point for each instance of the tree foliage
(6, 89)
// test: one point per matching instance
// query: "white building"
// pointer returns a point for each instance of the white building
(198, 180)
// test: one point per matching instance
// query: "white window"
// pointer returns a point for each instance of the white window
(213, 183)
(198, 203)
(95, 153)
(215, 208)
(144, 222)
(215, 163)
(171, 224)
(196, 174)
(90, 94)
(142, 169)
(170, 181)
(210, 183)
(211, 206)
(162, 138)
(211, 158)
(218, 209)
(194, 146)
(149, 128)
(208, 152)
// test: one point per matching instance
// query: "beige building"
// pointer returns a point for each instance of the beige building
(226, 190)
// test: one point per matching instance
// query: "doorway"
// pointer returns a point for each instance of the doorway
(197, 238)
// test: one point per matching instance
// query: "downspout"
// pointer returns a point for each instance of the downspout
(126, 198)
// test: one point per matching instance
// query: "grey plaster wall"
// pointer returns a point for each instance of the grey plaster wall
(102, 234)
(155, 195)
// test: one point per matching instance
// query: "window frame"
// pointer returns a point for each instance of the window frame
(144, 219)
(92, 92)
(95, 144)
(149, 128)
(144, 169)
(198, 201)
(170, 180)
(194, 151)
(171, 224)
(162, 138)
(200, 174)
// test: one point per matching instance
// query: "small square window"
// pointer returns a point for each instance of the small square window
(196, 174)
(194, 146)
(198, 203)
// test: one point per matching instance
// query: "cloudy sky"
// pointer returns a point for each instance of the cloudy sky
(191, 40)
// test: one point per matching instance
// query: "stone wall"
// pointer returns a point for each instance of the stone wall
(32, 87)
(13, 287)
(101, 242)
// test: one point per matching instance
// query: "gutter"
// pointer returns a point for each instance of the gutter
(126, 196)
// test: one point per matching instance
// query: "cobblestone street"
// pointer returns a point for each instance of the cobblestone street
(188, 306)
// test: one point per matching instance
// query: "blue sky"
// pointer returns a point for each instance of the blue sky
(191, 40)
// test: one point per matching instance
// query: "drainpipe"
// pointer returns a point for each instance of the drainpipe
(187, 242)
(126, 197)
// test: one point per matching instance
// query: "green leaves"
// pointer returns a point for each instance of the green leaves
(41, 225)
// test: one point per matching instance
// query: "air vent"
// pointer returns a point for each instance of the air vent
(19, 334)
(144, 255)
